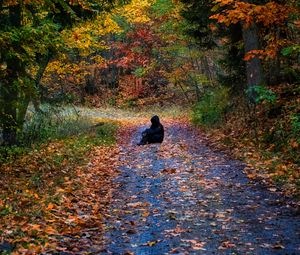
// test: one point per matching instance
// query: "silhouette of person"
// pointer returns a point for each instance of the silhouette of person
(154, 134)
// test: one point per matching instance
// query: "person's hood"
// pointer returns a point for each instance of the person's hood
(155, 120)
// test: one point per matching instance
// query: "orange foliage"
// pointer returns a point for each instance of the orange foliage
(272, 16)
(131, 87)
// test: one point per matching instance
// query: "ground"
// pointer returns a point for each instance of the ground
(182, 197)
(179, 197)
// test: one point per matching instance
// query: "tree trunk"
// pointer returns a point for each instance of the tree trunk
(254, 69)
(22, 110)
(9, 90)
(8, 115)
(36, 99)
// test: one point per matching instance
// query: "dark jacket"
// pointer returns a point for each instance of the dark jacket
(155, 134)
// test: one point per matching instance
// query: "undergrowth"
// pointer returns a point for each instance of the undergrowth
(209, 111)
(55, 124)
(265, 135)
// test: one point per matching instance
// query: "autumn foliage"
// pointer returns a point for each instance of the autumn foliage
(272, 17)
(231, 66)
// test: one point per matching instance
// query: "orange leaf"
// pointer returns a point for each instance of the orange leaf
(50, 206)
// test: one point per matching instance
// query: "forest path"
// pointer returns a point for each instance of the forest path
(182, 197)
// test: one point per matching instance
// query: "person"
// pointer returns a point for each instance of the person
(154, 134)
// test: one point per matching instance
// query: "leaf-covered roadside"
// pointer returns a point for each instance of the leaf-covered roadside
(270, 169)
(58, 190)
(267, 139)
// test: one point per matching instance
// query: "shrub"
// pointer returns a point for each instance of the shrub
(210, 109)
(263, 94)
(9, 154)
(295, 123)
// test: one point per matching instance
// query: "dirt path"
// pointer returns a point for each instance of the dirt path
(181, 197)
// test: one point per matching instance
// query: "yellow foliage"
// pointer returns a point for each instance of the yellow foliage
(109, 25)
(86, 37)
(136, 11)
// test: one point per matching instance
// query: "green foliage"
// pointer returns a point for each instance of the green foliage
(295, 123)
(52, 123)
(124, 24)
(112, 101)
(291, 74)
(10, 153)
(130, 103)
(31, 34)
(232, 72)
(140, 72)
(292, 50)
(263, 94)
(25, 43)
(106, 133)
(77, 147)
(197, 13)
(56, 123)
(199, 79)
(5, 211)
(79, 134)
(210, 109)
(162, 7)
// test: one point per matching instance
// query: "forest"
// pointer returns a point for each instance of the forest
(80, 81)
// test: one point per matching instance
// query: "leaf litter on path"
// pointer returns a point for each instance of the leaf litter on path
(198, 200)
(180, 197)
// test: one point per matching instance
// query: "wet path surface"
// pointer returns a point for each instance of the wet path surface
(181, 197)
